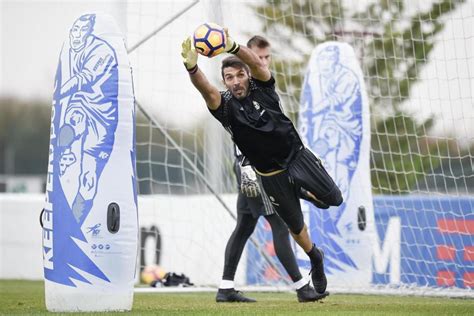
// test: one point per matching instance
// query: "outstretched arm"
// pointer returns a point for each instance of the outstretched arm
(210, 93)
(257, 68)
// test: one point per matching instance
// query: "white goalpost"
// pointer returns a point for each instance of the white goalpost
(415, 85)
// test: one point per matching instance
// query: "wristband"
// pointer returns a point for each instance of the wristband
(192, 70)
(235, 48)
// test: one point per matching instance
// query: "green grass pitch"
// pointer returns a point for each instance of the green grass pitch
(27, 298)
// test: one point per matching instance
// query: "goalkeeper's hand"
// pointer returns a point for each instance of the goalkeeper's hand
(248, 182)
(189, 54)
(231, 46)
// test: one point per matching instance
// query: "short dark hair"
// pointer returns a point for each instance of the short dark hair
(234, 62)
(259, 41)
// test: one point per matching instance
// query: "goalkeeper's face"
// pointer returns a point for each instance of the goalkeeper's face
(237, 81)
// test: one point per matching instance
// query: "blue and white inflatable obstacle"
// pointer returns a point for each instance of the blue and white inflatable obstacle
(90, 226)
(334, 122)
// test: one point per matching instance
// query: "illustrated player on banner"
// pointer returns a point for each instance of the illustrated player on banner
(250, 111)
(88, 92)
(252, 203)
(338, 136)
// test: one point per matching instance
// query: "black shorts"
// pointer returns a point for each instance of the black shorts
(306, 171)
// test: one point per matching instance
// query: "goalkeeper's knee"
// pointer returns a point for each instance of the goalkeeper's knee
(334, 198)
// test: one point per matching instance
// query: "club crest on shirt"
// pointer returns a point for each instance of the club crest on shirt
(258, 107)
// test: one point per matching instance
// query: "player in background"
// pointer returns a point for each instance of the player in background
(250, 111)
(251, 204)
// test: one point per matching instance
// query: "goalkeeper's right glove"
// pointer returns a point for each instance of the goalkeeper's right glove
(189, 55)
(248, 182)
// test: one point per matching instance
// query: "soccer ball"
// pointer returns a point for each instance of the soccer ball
(152, 273)
(209, 39)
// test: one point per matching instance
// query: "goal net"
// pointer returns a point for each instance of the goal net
(416, 64)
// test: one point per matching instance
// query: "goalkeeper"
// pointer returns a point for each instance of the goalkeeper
(252, 203)
(250, 111)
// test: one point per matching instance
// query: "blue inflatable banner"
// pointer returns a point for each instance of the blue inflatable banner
(334, 122)
(90, 217)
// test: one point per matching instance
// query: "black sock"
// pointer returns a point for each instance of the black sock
(314, 254)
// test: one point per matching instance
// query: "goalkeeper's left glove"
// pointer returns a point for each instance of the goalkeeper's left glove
(248, 182)
(231, 46)
(189, 55)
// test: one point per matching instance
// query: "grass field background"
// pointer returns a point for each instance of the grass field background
(27, 298)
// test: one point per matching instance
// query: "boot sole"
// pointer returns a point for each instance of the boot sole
(223, 301)
(318, 297)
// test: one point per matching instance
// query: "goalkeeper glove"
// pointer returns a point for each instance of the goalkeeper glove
(189, 55)
(231, 46)
(248, 182)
